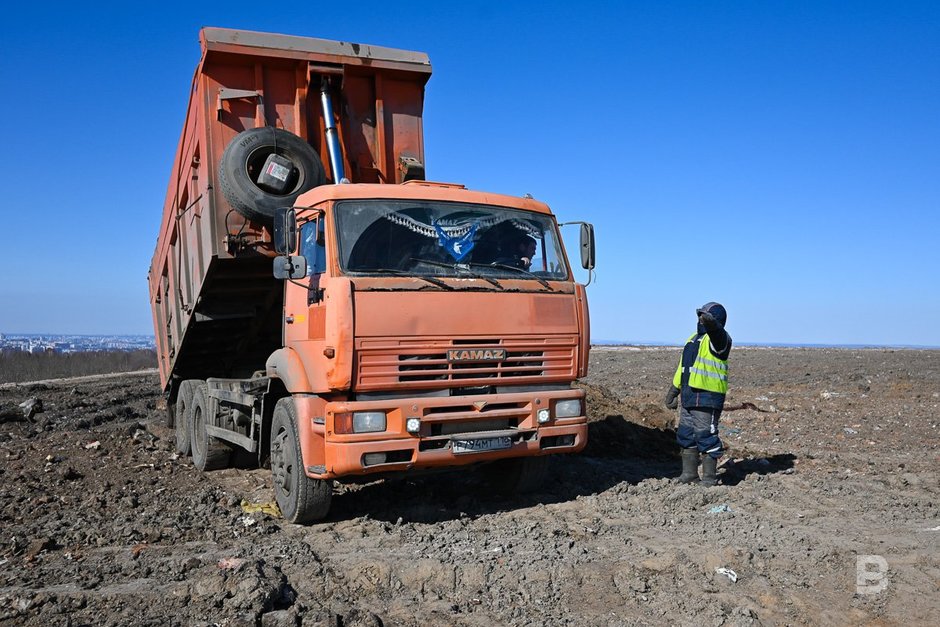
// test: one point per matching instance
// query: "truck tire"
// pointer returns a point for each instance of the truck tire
(242, 163)
(208, 452)
(184, 402)
(301, 499)
(518, 475)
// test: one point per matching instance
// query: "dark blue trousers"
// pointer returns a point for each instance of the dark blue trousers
(698, 428)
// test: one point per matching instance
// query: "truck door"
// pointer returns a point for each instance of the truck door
(303, 308)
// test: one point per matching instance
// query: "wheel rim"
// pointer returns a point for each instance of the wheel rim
(198, 430)
(255, 161)
(281, 467)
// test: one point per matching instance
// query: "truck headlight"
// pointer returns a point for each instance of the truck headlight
(368, 421)
(543, 415)
(568, 409)
(413, 425)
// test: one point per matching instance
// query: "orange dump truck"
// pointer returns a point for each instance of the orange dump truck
(322, 309)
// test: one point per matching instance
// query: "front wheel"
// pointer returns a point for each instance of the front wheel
(301, 499)
(518, 475)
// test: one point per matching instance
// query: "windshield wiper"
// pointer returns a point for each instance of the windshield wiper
(425, 277)
(460, 267)
(503, 266)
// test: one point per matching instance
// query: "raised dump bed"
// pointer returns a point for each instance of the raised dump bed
(216, 304)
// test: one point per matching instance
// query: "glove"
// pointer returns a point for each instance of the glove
(707, 320)
(671, 401)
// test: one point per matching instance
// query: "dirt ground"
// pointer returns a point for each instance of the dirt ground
(833, 456)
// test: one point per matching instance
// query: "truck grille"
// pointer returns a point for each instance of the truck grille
(436, 367)
(425, 363)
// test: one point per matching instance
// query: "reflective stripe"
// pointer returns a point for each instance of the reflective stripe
(712, 450)
(713, 363)
(711, 375)
(707, 372)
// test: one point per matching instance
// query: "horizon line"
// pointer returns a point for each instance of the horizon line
(771, 344)
(778, 345)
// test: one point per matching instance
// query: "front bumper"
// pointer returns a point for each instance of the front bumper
(443, 421)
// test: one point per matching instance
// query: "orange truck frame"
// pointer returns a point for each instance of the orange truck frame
(322, 309)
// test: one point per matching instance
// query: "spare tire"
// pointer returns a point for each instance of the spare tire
(244, 159)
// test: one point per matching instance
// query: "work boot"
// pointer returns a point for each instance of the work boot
(689, 465)
(709, 471)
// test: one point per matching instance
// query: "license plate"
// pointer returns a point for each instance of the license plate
(478, 446)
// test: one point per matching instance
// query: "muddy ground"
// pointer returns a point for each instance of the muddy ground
(833, 455)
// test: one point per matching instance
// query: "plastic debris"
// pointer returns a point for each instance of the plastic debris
(720, 509)
(31, 407)
(145, 438)
(727, 572)
(93, 445)
(230, 563)
(265, 508)
(850, 431)
(51, 460)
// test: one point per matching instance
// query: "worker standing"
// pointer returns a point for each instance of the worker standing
(702, 382)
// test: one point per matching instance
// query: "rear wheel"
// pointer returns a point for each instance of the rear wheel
(301, 499)
(184, 401)
(209, 453)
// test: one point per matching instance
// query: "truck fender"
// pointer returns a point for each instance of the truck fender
(310, 412)
(285, 364)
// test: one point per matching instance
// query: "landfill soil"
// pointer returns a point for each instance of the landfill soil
(827, 513)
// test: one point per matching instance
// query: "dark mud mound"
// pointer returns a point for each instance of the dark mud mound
(627, 428)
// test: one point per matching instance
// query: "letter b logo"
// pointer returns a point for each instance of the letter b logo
(871, 574)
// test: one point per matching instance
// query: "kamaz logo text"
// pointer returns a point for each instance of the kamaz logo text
(477, 354)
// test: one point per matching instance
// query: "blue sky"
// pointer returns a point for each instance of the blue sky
(780, 157)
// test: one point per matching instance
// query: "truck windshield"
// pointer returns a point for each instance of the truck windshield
(447, 239)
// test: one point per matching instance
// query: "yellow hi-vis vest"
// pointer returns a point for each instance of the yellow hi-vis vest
(707, 372)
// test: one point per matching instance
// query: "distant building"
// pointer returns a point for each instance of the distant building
(74, 343)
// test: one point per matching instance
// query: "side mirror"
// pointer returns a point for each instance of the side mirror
(285, 230)
(587, 246)
(290, 267)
